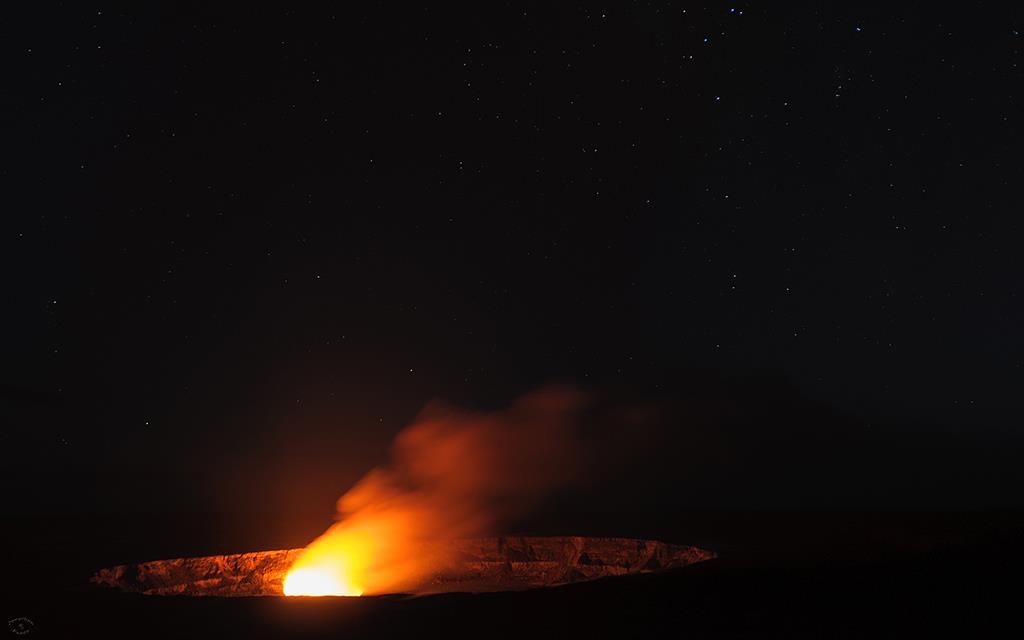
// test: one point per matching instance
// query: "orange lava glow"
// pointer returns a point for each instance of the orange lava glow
(315, 581)
(329, 567)
(378, 549)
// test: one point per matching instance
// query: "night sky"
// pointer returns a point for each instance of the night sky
(244, 246)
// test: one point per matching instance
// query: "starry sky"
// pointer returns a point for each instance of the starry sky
(243, 247)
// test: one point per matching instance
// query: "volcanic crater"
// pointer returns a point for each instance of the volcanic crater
(479, 565)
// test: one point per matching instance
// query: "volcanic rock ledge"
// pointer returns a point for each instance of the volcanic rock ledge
(484, 564)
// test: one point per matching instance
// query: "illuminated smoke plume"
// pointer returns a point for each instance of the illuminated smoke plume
(452, 474)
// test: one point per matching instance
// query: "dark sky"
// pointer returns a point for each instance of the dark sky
(243, 246)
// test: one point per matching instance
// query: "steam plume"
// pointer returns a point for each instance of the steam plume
(453, 473)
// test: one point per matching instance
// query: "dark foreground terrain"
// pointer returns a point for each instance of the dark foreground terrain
(825, 574)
